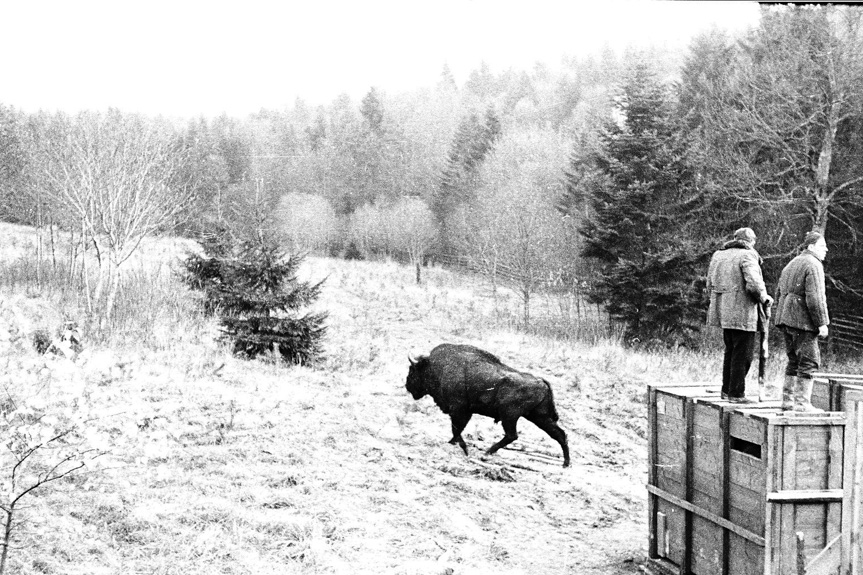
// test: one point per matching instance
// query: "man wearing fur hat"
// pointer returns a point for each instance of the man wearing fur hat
(801, 314)
(736, 289)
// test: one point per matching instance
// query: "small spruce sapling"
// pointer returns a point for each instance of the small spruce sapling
(252, 285)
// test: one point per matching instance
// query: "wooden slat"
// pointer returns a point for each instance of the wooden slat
(833, 527)
(748, 535)
(708, 480)
(724, 419)
(747, 429)
(787, 514)
(846, 324)
(689, 414)
(848, 341)
(669, 405)
(652, 512)
(746, 508)
(710, 388)
(828, 418)
(707, 417)
(772, 481)
(784, 533)
(789, 459)
(852, 400)
(829, 375)
(835, 448)
(745, 558)
(742, 472)
(748, 518)
(814, 438)
(810, 518)
(707, 501)
(706, 542)
(806, 496)
(707, 456)
(668, 484)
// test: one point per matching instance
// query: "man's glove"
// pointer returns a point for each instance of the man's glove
(822, 331)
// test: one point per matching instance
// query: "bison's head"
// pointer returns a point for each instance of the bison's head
(416, 376)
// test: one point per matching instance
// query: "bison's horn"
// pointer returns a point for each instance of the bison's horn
(415, 359)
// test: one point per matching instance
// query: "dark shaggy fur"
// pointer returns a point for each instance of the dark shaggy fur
(464, 380)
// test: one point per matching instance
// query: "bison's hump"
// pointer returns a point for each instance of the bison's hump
(453, 350)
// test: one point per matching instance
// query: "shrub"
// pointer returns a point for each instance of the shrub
(353, 252)
(309, 222)
(41, 340)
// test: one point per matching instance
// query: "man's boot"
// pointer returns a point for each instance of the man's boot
(788, 388)
(767, 391)
(803, 396)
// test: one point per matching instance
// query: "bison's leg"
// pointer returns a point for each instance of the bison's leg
(459, 422)
(555, 432)
(510, 434)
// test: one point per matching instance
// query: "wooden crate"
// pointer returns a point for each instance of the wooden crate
(844, 392)
(672, 441)
(730, 486)
(828, 389)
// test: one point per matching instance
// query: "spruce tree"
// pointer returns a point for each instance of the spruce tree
(251, 284)
(261, 301)
(473, 141)
(633, 188)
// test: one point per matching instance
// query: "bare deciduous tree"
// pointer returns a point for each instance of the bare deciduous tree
(413, 229)
(775, 123)
(513, 232)
(114, 176)
(38, 449)
(309, 221)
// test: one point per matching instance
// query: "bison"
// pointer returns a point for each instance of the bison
(464, 380)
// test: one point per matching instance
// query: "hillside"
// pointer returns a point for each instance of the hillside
(216, 465)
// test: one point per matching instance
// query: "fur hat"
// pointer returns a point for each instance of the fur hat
(745, 234)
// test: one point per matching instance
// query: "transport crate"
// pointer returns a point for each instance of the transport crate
(731, 486)
(844, 392)
(828, 389)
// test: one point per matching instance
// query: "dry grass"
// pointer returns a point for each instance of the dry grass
(224, 466)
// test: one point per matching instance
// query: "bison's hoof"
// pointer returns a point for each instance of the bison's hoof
(566, 463)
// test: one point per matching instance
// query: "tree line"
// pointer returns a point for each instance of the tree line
(616, 175)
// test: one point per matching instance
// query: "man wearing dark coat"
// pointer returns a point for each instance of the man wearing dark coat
(736, 287)
(801, 313)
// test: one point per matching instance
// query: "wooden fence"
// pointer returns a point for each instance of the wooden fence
(846, 331)
(551, 280)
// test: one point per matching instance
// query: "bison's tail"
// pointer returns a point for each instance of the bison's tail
(552, 408)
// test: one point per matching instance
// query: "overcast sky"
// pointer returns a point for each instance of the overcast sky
(186, 58)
